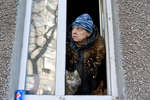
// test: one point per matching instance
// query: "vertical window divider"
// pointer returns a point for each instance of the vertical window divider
(24, 53)
(108, 68)
(61, 46)
(112, 65)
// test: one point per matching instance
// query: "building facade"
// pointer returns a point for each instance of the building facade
(131, 35)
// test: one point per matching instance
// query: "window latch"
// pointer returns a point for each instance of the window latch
(115, 98)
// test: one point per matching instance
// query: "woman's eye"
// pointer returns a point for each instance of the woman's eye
(78, 28)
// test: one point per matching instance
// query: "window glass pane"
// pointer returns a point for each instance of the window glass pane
(40, 77)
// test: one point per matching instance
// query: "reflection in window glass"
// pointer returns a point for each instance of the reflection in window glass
(40, 78)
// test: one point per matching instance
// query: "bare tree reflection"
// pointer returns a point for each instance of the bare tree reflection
(42, 48)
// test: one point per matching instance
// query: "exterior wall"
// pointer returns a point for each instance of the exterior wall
(134, 37)
(7, 32)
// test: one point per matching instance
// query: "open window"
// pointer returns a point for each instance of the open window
(43, 57)
(94, 9)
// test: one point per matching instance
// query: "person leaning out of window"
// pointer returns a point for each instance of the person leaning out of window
(84, 52)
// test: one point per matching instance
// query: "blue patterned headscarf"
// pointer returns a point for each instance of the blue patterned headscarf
(84, 21)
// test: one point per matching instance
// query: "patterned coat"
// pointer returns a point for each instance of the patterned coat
(87, 60)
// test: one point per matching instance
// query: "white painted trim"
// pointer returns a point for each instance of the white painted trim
(108, 67)
(61, 48)
(88, 97)
(76, 97)
(100, 17)
(40, 97)
(24, 52)
(111, 50)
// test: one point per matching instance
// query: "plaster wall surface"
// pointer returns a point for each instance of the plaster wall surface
(134, 31)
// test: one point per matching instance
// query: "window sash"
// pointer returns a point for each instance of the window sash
(61, 46)
(61, 53)
(46, 97)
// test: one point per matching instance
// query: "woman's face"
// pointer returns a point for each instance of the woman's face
(79, 34)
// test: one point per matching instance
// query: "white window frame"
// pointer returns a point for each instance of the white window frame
(61, 53)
